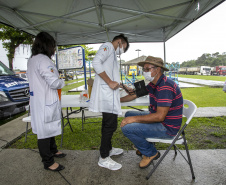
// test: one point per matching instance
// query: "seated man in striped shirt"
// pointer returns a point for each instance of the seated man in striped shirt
(164, 118)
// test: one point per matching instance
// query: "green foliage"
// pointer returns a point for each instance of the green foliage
(89, 52)
(217, 134)
(215, 59)
(13, 38)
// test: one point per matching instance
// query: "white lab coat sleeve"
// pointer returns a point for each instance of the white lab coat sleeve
(101, 56)
(57, 84)
(49, 72)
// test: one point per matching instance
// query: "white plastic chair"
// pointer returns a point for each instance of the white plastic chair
(188, 112)
(27, 120)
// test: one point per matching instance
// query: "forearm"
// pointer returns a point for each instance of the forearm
(128, 98)
(150, 118)
(105, 77)
(157, 117)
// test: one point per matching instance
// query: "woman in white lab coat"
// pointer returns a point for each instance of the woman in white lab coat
(45, 105)
(105, 96)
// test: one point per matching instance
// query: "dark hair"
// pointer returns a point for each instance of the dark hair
(44, 44)
(123, 38)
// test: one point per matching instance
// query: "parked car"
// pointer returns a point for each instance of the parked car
(69, 75)
(61, 76)
(14, 92)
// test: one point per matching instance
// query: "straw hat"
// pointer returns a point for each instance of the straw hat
(154, 61)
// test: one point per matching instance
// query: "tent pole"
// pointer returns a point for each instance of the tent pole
(164, 45)
(164, 48)
(57, 66)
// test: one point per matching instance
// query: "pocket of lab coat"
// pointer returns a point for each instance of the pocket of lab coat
(106, 95)
(52, 112)
(52, 106)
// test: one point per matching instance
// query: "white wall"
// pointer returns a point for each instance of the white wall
(20, 59)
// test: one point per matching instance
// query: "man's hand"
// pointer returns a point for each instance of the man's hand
(127, 120)
(113, 85)
(128, 90)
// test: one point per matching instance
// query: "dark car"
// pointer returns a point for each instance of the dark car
(14, 92)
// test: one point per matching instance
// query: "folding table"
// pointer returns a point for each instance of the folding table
(68, 101)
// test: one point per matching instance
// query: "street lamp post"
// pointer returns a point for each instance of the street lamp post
(138, 51)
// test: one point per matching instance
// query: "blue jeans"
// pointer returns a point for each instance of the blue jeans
(138, 132)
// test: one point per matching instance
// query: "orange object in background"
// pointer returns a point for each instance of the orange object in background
(86, 95)
(59, 93)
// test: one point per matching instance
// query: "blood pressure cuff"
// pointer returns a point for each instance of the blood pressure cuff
(140, 88)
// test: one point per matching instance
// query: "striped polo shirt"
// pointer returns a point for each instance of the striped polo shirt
(166, 93)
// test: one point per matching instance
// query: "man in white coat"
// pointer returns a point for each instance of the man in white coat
(45, 106)
(106, 98)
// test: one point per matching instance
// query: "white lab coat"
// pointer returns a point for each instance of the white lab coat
(103, 98)
(45, 106)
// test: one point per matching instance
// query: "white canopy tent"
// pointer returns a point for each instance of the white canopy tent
(98, 21)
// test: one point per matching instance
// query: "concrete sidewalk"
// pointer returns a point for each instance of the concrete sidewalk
(24, 167)
(211, 83)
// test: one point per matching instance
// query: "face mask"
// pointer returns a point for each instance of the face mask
(147, 76)
(119, 50)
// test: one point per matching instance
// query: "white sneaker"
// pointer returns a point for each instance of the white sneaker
(109, 164)
(115, 151)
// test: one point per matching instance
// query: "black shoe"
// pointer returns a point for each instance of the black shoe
(59, 168)
(138, 153)
(59, 155)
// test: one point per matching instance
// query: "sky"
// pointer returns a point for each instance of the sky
(205, 35)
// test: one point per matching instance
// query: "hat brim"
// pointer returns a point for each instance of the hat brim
(153, 63)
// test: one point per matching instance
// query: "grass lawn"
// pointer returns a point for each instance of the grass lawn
(201, 133)
(72, 85)
(205, 96)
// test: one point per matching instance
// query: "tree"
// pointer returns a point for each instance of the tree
(215, 59)
(12, 39)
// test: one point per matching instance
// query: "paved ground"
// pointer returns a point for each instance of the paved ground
(24, 167)
(188, 85)
(211, 83)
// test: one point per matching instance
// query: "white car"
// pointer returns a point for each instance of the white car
(23, 75)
